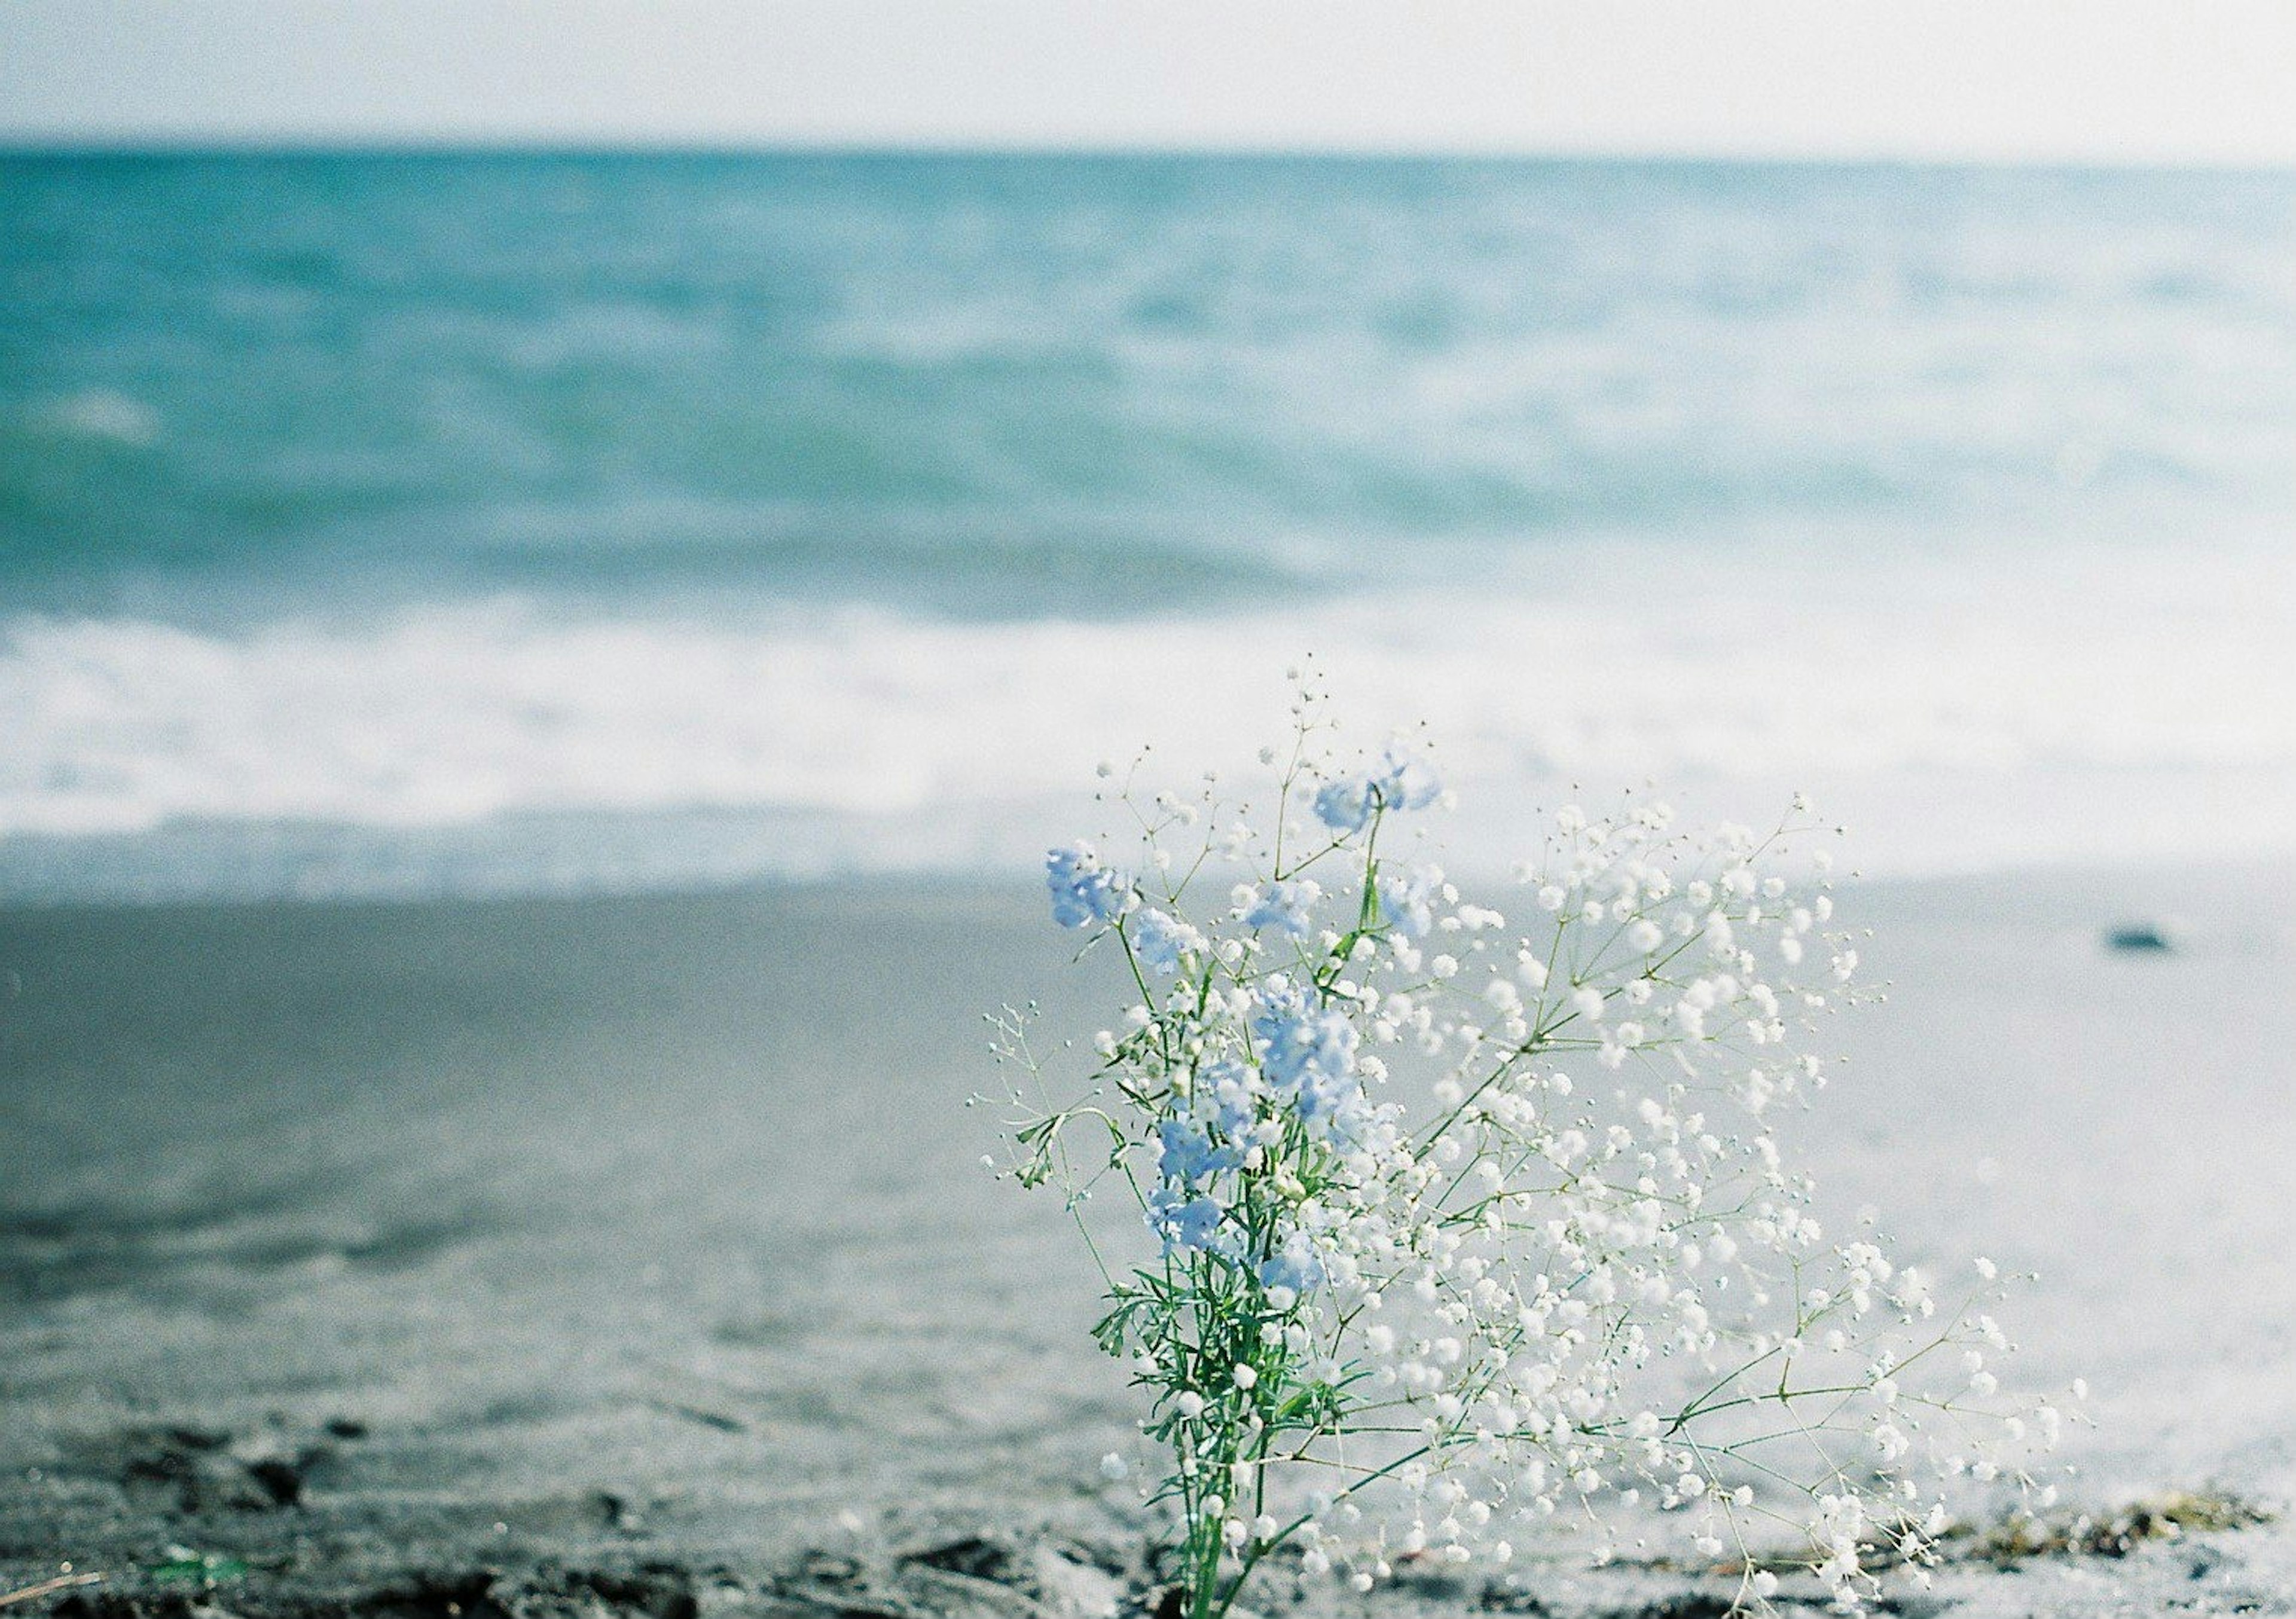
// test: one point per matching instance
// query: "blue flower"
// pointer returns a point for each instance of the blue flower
(1160, 940)
(1084, 890)
(1307, 1052)
(1408, 783)
(1295, 1265)
(1345, 806)
(1399, 783)
(1185, 1225)
(1286, 906)
(1405, 902)
(1188, 1155)
(1227, 1084)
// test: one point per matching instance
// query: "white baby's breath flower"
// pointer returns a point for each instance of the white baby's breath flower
(1501, 1307)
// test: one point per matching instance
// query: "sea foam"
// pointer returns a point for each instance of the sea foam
(2078, 679)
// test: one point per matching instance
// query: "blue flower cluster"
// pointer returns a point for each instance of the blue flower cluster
(1186, 1215)
(1286, 906)
(1181, 1212)
(1084, 890)
(1186, 1223)
(1186, 1212)
(1188, 1155)
(1307, 1052)
(1406, 902)
(1295, 1265)
(1160, 941)
(1226, 1083)
(1399, 783)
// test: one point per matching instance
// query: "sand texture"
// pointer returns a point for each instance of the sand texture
(634, 1256)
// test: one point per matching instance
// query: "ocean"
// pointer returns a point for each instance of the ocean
(438, 524)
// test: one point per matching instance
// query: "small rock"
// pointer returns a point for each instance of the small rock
(280, 1480)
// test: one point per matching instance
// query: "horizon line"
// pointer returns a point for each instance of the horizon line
(19, 145)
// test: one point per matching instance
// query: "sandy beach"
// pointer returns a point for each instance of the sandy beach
(635, 1253)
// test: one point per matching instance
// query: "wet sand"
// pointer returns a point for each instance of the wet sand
(634, 1254)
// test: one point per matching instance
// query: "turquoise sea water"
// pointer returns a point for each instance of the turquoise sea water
(534, 520)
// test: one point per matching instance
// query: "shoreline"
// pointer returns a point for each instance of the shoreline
(2075, 878)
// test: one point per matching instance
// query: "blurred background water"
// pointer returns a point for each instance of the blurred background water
(458, 523)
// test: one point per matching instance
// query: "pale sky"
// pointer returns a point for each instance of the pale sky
(2011, 80)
